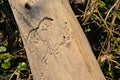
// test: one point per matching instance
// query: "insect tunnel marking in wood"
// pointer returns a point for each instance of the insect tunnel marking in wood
(36, 28)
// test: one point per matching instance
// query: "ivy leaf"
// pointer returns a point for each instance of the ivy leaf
(2, 49)
(118, 39)
(102, 4)
(5, 43)
(22, 66)
(6, 57)
(6, 65)
(118, 14)
(87, 29)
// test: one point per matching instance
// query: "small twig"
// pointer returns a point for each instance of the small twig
(91, 23)
(102, 48)
(109, 23)
(109, 30)
(20, 50)
(80, 10)
(115, 4)
(91, 7)
(108, 44)
(114, 62)
(12, 74)
(116, 32)
(29, 78)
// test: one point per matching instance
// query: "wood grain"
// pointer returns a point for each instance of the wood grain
(57, 49)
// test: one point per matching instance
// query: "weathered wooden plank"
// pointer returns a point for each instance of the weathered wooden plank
(56, 46)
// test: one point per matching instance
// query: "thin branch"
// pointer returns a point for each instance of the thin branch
(115, 4)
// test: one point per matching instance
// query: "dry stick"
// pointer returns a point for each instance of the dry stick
(114, 62)
(109, 23)
(117, 2)
(113, 21)
(94, 21)
(90, 9)
(102, 49)
(29, 78)
(91, 23)
(110, 32)
(80, 10)
(12, 74)
(107, 27)
(108, 45)
(116, 32)
(114, 16)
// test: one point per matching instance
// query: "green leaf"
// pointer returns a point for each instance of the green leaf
(118, 14)
(6, 65)
(2, 49)
(93, 17)
(102, 4)
(87, 29)
(22, 66)
(6, 57)
(118, 39)
(5, 43)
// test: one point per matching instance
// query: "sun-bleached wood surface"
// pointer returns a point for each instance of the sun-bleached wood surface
(56, 46)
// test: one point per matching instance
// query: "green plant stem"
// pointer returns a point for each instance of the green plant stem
(109, 30)
(102, 48)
